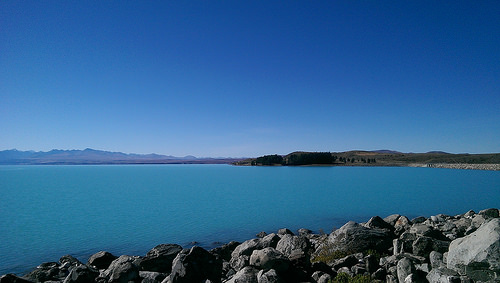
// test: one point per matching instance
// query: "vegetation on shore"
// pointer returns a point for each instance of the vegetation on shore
(369, 158)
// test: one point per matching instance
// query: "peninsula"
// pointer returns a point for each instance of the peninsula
(437, 159)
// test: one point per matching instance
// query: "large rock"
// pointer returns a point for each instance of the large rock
(224, 251)
(122, 270)
(160, 258)
(45, 272)
(478, 254)
(247, 247)
(377, 222)
(82, 274)
(290, 244)
(101, 260)
(195, 265)
(353, 238)
(11, 278)
(269, 258)
(422, 246)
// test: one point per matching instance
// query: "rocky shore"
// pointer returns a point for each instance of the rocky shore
(442, 248)
(494, 167)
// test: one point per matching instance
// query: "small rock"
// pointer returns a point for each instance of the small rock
(379, 274)
(246, 275)
(268, 276)
(304, 232)
(325, 278)
(347, 261)
(436, 259)
(391, 219)
(68, 259)
(284, 231)
(442, 275)
(418, 220)
(404, 268)
(261, 234)
(152, 276)
(371, 263)
(489, 213)
(469, 214)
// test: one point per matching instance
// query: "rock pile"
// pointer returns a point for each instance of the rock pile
(442, 248)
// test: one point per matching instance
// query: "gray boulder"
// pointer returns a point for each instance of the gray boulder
(402, 224)
(122, 270)
(404, 268)
(489, 213)
(246, 275)
(237, 263)
(422, 246)
(477, 255)
(284, 231)
(82, 274)
(377, 222)
(269, 258)
(353, 238)
(45, 272)
(347, 261)
(195, 265)
(12, 278)
(101, 260)
(289, 244)
(247, 247)
(442, 275)
(436, 259)
(151, 276)
(391, 219)
(224, 251)
(69, 260)
(428, 231)
(160, 258)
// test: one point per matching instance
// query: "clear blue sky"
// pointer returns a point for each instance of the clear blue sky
(247, 78)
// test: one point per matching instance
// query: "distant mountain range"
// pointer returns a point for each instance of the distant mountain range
(92, 156)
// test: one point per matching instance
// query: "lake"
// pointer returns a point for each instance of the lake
(49, 211)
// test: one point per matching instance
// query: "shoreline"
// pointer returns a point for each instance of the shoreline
(381, 250)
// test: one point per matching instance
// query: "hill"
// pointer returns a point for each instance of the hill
(371, 158)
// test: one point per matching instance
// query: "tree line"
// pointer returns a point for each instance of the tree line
(307, 158)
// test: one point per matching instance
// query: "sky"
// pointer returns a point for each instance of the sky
(248, 78)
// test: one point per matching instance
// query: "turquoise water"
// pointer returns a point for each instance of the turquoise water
(50, 211)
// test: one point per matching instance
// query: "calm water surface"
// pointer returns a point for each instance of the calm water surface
(50, 211)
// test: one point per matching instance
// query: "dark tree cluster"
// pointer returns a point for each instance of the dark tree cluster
(268, 160)
(310, 158)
